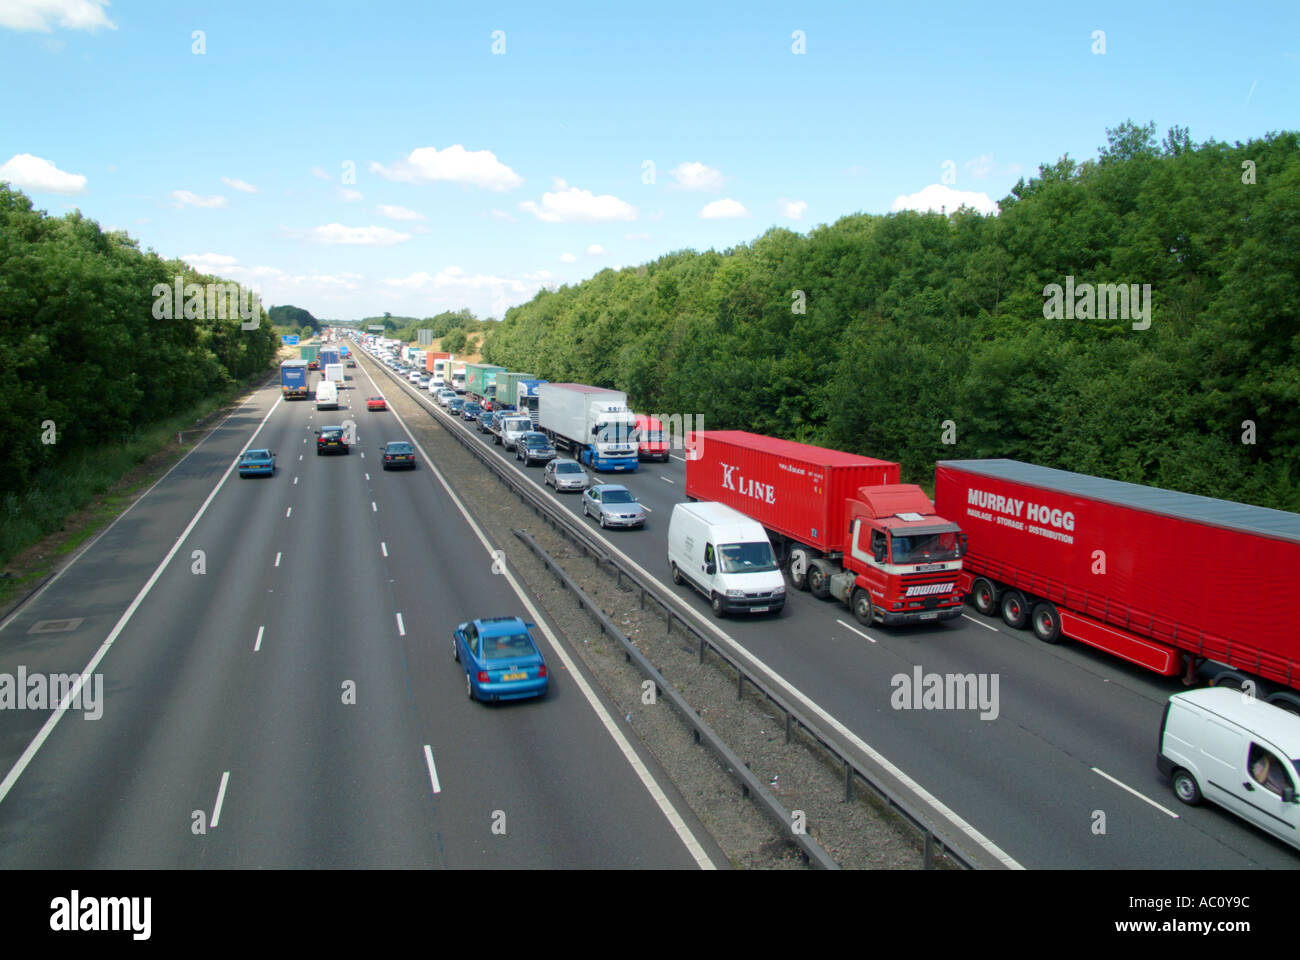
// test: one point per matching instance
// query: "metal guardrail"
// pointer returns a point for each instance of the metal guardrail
(749, 783)
(935, 842)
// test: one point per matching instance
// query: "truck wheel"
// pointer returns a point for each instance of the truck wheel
(862, 607)
(1230, 680)
(819, 579)
(799, 568)
(717, 607)
(1186, 788)
(1286, 701)
(1015, 609)
(677, 574)
(984, 597)
(1046, 622)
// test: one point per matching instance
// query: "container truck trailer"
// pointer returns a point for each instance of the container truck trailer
(595, 424)
(508, 389)
(431, 358)
(842, 523)
(480, 379)
(1173, 582)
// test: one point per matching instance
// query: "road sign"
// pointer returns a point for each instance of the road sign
(290, 339)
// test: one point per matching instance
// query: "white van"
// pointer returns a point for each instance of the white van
(334, 372)
(1241, 753)
(726, 556)
(327, 395)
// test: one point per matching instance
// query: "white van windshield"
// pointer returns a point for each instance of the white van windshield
(747, 557)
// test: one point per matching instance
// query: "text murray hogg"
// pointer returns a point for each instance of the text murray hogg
(53, 691)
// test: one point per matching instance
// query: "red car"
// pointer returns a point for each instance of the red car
(376, 403)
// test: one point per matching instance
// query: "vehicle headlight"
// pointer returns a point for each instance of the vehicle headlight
(735, 593)
(779, 591)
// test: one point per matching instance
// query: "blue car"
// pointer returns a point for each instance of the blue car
(500, 658)
(455, 404)
(257, 463)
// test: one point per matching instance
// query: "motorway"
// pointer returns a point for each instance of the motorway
(279, 690)
(1063, 777)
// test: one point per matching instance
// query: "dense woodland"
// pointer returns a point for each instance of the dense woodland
(914, 319)
(80, 345)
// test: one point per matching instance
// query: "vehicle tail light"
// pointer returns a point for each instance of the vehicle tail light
(541, 671)
(482, 676)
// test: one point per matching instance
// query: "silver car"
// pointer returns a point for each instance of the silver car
(613, 505)
(565, 475)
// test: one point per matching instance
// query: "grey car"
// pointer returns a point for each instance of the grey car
(613, 505)
(565, 475)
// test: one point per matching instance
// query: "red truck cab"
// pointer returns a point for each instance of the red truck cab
(651, 442)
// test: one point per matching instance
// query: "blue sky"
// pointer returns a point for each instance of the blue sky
(480, 176)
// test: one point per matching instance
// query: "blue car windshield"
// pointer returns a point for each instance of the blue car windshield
(508, 647)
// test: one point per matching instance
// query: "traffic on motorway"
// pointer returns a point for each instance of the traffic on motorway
(1000, 550)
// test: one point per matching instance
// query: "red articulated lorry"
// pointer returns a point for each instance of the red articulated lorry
(1170, 581)
(843, 523)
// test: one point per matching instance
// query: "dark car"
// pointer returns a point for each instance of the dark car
(470, 411)
(485, 421)
(399, 453)
(455, 404)
(500, 658)
(332, 440)
(534, 446)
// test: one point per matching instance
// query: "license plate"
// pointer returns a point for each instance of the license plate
(759, 609)
(929, 616)
(514, 676)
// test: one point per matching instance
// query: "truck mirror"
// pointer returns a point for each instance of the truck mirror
(711, 568)
(963, 545)
(878, 553)
(1288, 794)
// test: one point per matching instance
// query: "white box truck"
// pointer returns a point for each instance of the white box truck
(592, 422)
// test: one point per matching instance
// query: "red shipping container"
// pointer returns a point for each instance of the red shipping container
(794, 489)
(431, 356)
(1210, 577)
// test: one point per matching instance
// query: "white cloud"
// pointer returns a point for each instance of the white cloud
(210, 262)
(454, 278)
(568, 204)
(595, 250)
(359, 236)
(237, 184)
(72, 14)
(502, 215)
(939, 197)
(350, 196)
(697, 176)
(398, 213)
(568, 257)
(480, 168)
(40, 176)
(726, 209)
(791, 209)
(320, 174)
(186, 199)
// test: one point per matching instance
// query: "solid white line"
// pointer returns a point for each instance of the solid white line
(80, 553)
(647, 779)
(221, 796)
(20, 765)
(277, 559)
(433, 771)
(258, 646)
(384, 547)
(401, 627)
(849, 626)
(1117, 783)
(981, 623)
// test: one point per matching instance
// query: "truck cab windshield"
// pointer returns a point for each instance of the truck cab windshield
(747, 557)
(923, 546)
